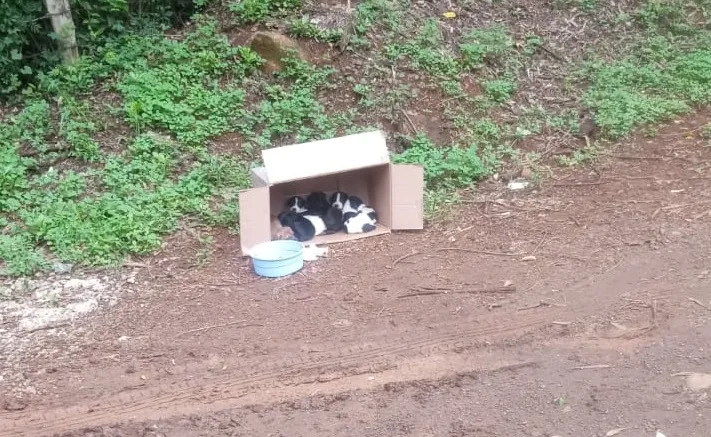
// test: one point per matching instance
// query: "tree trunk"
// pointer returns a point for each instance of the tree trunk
(63, 25)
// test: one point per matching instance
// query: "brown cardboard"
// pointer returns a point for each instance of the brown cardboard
(324, 157)
(408, 184)
(254, 217)
(394, 191)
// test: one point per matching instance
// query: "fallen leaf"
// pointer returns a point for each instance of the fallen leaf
(449, 14)
(615, 431)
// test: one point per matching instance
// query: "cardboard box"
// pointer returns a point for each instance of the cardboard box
(357, 164)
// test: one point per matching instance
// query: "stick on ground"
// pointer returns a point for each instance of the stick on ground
(481, 252)
(404, 257)
(222, 325)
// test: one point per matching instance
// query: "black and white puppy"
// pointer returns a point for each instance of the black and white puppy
(353, 204)
(305, 227)
(333, 220)
(358, 222)
(296, 204)
(338, 199)
(317, 203)
(302, 228)
(371, 213)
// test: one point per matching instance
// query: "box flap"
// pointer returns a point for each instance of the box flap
(254, 226)
(408, 183)
(335, 155)
(259, 177)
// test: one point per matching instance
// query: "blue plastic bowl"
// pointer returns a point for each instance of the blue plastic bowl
(277, 258)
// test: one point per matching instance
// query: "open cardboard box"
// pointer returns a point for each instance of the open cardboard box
(357, 164)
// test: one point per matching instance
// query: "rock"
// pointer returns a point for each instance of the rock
(528, 258)
(698, 381)
(62, 267)
(517, 185)
(273, 47)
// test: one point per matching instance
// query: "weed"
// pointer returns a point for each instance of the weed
(499, 90)
(484, 45)
(76, 128)
(258, 11)
(304, 28)
(706, 131)
(368, 13)
(183, 93)
(20, 255)
(579, 157)
(447, 167)
(205, 250)
(627, 93)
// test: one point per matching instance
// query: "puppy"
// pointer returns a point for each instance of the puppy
(283, 233)
(353, 204)
(302, 227)
(318, 223)
(317, 203)
(358, 222)
(371, 213)
(296, 204)
(333, 219)
(338, 199)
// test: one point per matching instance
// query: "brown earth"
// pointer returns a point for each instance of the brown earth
(561, 310)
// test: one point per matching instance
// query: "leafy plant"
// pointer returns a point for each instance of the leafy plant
(303, 28)
(257, 11)
(445, 167)
(629, 93)
(488, 44)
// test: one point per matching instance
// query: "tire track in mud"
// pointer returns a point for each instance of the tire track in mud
(225, 390)
(268, 382)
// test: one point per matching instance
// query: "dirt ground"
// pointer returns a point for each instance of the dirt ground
(567, 309)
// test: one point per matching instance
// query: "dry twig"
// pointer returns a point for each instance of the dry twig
(698, 302)
(481, 252)
(221, 325)
(404, 257)
(592, 366)
(430, 291)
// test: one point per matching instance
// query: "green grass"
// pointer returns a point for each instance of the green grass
(176, 97)
(633, 92)
(107, 156)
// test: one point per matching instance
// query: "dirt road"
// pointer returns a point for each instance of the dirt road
(563, 310)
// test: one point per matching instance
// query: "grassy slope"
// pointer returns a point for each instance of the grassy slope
(104, 158)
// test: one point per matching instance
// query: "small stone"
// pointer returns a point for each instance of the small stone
(528, 258)
(517, 185)
(62, 267)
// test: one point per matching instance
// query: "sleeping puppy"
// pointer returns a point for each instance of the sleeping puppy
(353, 204)
(371, 213)
(338, 199)
(333, 220)
(283, 233)
(358, 222)
(296, 204)
(305, 227)
(317, 203)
